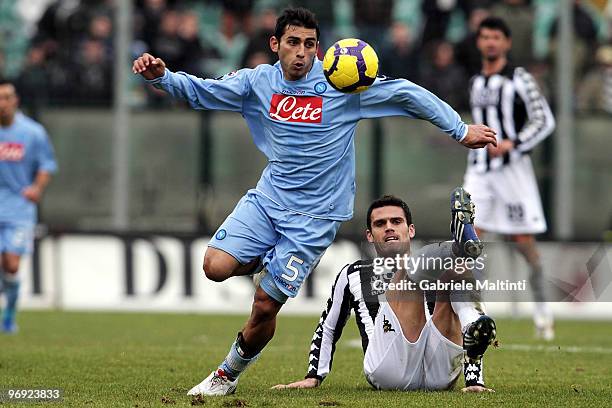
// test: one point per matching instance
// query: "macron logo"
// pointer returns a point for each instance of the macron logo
(12, 152)
(288, 108)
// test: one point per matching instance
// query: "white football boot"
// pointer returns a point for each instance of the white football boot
(217, 383)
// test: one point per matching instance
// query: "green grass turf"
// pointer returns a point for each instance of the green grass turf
(143, 360)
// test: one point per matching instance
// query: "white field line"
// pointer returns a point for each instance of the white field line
(547, 348)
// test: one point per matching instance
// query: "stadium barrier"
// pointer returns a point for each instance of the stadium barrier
(167, 158)
(164, 273)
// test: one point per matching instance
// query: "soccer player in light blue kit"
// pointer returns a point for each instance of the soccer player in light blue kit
(306, 130)
(26, 163)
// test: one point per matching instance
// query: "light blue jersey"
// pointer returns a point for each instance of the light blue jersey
(306, 129)
(24, 150)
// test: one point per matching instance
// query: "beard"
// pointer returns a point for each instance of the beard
(392, 248)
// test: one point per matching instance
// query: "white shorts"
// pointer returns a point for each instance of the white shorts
(507, 200)
(391, 362)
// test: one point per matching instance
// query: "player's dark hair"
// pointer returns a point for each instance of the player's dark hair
(494, 23)
(5, 81)
(299, 17)
(388, 200)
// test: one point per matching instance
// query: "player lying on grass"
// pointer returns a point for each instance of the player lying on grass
(406, 347)
(306, 130)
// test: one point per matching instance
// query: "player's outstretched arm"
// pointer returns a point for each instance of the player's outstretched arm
(479, 136)
(477, 388)
(305, 383)
(224, 93)
(149, 67)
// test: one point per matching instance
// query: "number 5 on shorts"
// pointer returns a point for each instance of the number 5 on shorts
(292, 268)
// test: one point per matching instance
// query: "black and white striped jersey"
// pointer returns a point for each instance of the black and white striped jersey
(509, 102)
(352, 291)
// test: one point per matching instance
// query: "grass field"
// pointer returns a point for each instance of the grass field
(149, 360)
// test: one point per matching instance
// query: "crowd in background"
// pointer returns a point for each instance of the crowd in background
(61, 51)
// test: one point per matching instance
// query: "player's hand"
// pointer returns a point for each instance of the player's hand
(502, 148)
(477, 388)
(305, 383)
(148, 66)
(479, 136)
(32, 193)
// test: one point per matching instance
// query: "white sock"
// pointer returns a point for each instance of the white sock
(542, 316)
(468, 312)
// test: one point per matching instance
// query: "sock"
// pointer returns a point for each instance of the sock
(473, 371)
(11, 289)
(467, 312)
(238, 359)
(536, 282)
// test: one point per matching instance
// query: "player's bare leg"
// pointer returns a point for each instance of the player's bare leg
(10, 282)
(257, 332)
(543, 319)
(445, 319)
(409, 308)
(260, 327)
(219, 265)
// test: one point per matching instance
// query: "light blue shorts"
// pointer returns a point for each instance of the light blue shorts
(290, 244)
(16, 237)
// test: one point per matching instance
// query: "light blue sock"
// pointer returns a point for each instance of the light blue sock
(234, 364)
(11, 290)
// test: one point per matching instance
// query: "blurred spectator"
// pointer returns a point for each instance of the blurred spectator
(258, 49)
(67, 21)
(437, 16)
(595, 91)
(230, 45)
(167, 44)
(398, 55)
(242, 12)
(33, 81)
(585, 39)
(101, 28)
(194, 52)
(443, 76)
(467, 54)
(147, 19)
(91, 75)
(372, 19)
(13, 40)
(520, 17)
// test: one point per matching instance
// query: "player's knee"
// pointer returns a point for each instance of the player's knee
(215, 269)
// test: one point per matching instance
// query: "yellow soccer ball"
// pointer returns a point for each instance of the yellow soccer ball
(350, 65)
